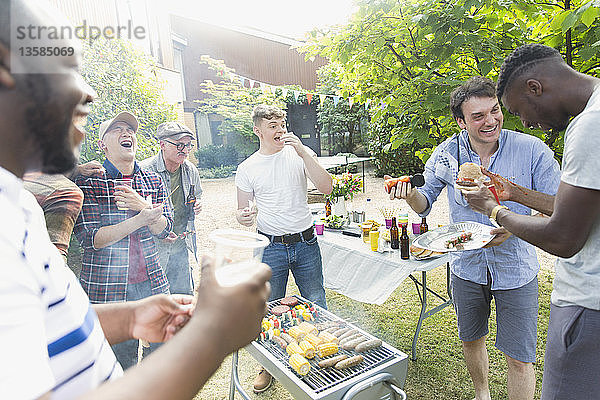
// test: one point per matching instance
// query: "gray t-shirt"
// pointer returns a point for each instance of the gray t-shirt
(577, 280)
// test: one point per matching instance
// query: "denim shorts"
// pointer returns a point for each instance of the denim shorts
(571, 366)
(516, 315)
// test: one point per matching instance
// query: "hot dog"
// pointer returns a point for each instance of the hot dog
(330, 362)
(351, 345)
(340, 332)
(368, 345)
(349, 362)
(348, 334)
(282, 343)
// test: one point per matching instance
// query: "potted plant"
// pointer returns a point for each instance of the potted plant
(344, 187)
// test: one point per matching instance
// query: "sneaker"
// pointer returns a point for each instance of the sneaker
(262, 381)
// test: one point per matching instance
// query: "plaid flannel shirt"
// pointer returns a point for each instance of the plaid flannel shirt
(104, 273)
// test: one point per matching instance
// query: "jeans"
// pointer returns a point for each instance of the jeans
(304, 260)
(179, 273)
(127, 352)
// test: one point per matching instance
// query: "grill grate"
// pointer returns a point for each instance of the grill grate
(321, 379)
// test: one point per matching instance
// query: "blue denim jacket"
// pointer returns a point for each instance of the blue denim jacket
(522, 158)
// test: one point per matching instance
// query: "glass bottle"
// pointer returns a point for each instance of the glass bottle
(190, 202)
(404, 244)
(423, 227)
(394, 242)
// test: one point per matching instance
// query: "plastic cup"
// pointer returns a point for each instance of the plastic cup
(388, 223)
(416, 228)
(374, 239)
(122, 182)
(237, 254)
(366, 228)
(319, 227)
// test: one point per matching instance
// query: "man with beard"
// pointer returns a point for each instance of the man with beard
(180, 177)
(507, 269)
(53, 343)
(538, 86)
(117, 224)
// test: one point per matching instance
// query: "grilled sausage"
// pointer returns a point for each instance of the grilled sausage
(340, 332)
(350, 338)
(351, 345)
(330, 362)
(321, 326)
(368, 345)
(282, 343)
(348, 333)
(331, 330)
(287, 337)
(349, 362)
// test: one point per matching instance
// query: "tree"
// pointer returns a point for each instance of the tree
(408, 56)
(124, 79)
(234, 103)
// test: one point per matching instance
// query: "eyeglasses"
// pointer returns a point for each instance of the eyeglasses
(181, 146)
(121, 129)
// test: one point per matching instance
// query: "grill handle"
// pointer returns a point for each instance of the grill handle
(384, 377)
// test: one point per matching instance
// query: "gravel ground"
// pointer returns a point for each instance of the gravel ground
(219, 204)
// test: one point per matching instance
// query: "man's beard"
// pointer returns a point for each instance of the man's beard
(48, 130)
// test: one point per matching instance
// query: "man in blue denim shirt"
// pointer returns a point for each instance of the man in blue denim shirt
(507, 268)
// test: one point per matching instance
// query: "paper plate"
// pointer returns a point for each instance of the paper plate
(436, 239)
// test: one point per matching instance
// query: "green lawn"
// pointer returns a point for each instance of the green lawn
(439, 372)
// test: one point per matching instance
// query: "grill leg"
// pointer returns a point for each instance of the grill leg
(234, 383)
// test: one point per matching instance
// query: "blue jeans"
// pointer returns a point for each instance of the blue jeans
(304, 260)
(127, 352)
(179, 273)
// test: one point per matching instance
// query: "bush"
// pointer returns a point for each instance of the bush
(395, 162)
(211, 156)
(217, 172)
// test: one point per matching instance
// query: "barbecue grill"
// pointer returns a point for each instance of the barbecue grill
(380, 376)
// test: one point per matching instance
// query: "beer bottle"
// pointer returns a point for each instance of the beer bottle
(190, 202)
(394, 235)
(404, 244)
(327, 208)
(423, 227)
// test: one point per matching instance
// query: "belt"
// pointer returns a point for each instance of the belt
(291, 238)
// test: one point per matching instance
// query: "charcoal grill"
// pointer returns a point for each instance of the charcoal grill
(380, 376)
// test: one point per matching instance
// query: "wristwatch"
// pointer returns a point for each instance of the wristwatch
(494, 213)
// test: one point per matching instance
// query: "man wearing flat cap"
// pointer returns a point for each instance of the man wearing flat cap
(124, 208)
(180, 177)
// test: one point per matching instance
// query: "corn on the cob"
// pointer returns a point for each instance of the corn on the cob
(294, 348)
(308, 328)
(309, 349)
(314, 340)
(299, 363)
(297, 333)
(327, 337)
(326, 349)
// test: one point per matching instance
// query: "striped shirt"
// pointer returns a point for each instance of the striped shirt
(105, 272)
(50, 337)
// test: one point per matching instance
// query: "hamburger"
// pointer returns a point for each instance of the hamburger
(469, 174)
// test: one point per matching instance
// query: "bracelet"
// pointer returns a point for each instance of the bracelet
(495, 210)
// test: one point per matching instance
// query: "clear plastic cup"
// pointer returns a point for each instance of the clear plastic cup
(237, 254)
(122, 182)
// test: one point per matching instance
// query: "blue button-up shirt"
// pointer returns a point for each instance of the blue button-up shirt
(522, 158)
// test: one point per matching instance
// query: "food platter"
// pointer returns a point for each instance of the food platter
(436, 239)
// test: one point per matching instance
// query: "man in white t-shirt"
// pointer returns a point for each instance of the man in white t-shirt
(275, 179)
(53, 342)
(538, 86)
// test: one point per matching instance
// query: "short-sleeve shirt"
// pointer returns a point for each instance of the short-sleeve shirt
(522, 158)
(278, 182)
(50, 336)
(577, 279)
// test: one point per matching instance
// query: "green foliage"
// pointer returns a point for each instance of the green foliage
(211, 156)
(234, 103)
(124, 79)
(341, 126)
(408, 56)
(223, 171)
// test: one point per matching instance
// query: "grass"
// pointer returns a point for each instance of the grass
(438, 373)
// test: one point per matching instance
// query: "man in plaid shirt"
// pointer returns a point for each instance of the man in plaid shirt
(123, 209)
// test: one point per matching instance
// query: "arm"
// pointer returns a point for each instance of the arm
(564, 233)
(224, 320)
(316, 173)
(245, 214)
(111, 234)
(415, 199)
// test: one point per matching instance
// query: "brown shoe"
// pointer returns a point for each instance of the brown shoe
(262, 381)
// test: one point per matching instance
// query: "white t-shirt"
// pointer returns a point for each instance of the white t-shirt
(577, 280)
(50, 337)
(278, 182)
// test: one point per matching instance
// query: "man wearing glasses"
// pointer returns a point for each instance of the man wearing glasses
(123, 209)
(178, 175)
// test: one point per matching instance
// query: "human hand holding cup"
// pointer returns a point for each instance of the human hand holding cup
(121, 186)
